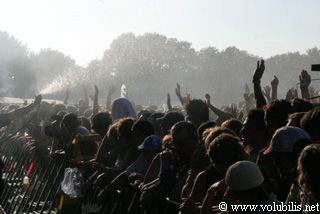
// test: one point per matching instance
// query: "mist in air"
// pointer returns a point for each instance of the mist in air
(149, 65)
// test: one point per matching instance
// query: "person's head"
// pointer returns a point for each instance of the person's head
(244, 181)
(310, 122)
(70, 122)
(82, 106)
(285, 147)
(203, 127)
(233, 124)
(276, 115)
(151, 146)
(101, 122)
(72, 109)
(143, 114)
(197, 112)
(88, 113)
(295, 118)
(112, 134)
(308, 170)
(254, 130)
(166, 140)
(122, 108)
(224, 151)
(124, 127)
(58, 107)
(85, 122)
(185, 139)
(167, 121)
(140, 130)
(301, 105)
(215, 132)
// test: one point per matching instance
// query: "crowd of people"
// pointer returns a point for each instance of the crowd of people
(188, 159)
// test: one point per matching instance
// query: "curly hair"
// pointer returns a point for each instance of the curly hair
(308, 169)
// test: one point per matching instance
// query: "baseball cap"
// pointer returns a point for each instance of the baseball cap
(243, 175)
(285, 138)
(151, 143)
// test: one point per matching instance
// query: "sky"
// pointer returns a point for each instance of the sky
(83, 29)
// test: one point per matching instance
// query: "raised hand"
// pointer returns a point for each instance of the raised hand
(260, 99)
(178, 93)
(178, 90)
(275, 82)
(169, 102)
(207, 96)
(305, 80)
(267, 92)
(259, 71)
(38, 99)
(96, 90)
(291, 94)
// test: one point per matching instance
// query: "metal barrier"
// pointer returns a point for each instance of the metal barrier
(44, 173)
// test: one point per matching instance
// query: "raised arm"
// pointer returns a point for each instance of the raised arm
(22, 111)
(221, 114)
(66, 98)
(305, 80)
(86, 96)
(260, 99)
(274, 88)
(111, 91)
(169, 102)
(178, 93)
(95, 101)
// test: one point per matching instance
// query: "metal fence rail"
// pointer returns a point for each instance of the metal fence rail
(44, 173)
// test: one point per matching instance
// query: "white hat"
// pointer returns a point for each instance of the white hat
(243, 175)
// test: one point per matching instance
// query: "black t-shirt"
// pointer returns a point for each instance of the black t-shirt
(4, 120)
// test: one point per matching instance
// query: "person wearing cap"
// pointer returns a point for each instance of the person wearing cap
(134, 174)
(223, 151)
(244, 185)
(177, 168)
(285, 147)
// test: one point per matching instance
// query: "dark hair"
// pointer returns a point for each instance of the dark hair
(183, 125)
(143, 128)
(124, 126)
(310, 122)
(233, 124)
(204, 126)
(309, 174)
(226, 149)
(278, 110)
(295, 119)
(101, 120)
(215, 132)
(301, 105)
(85, 122)
(197, 109)
(257, 115)
(71, 121)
